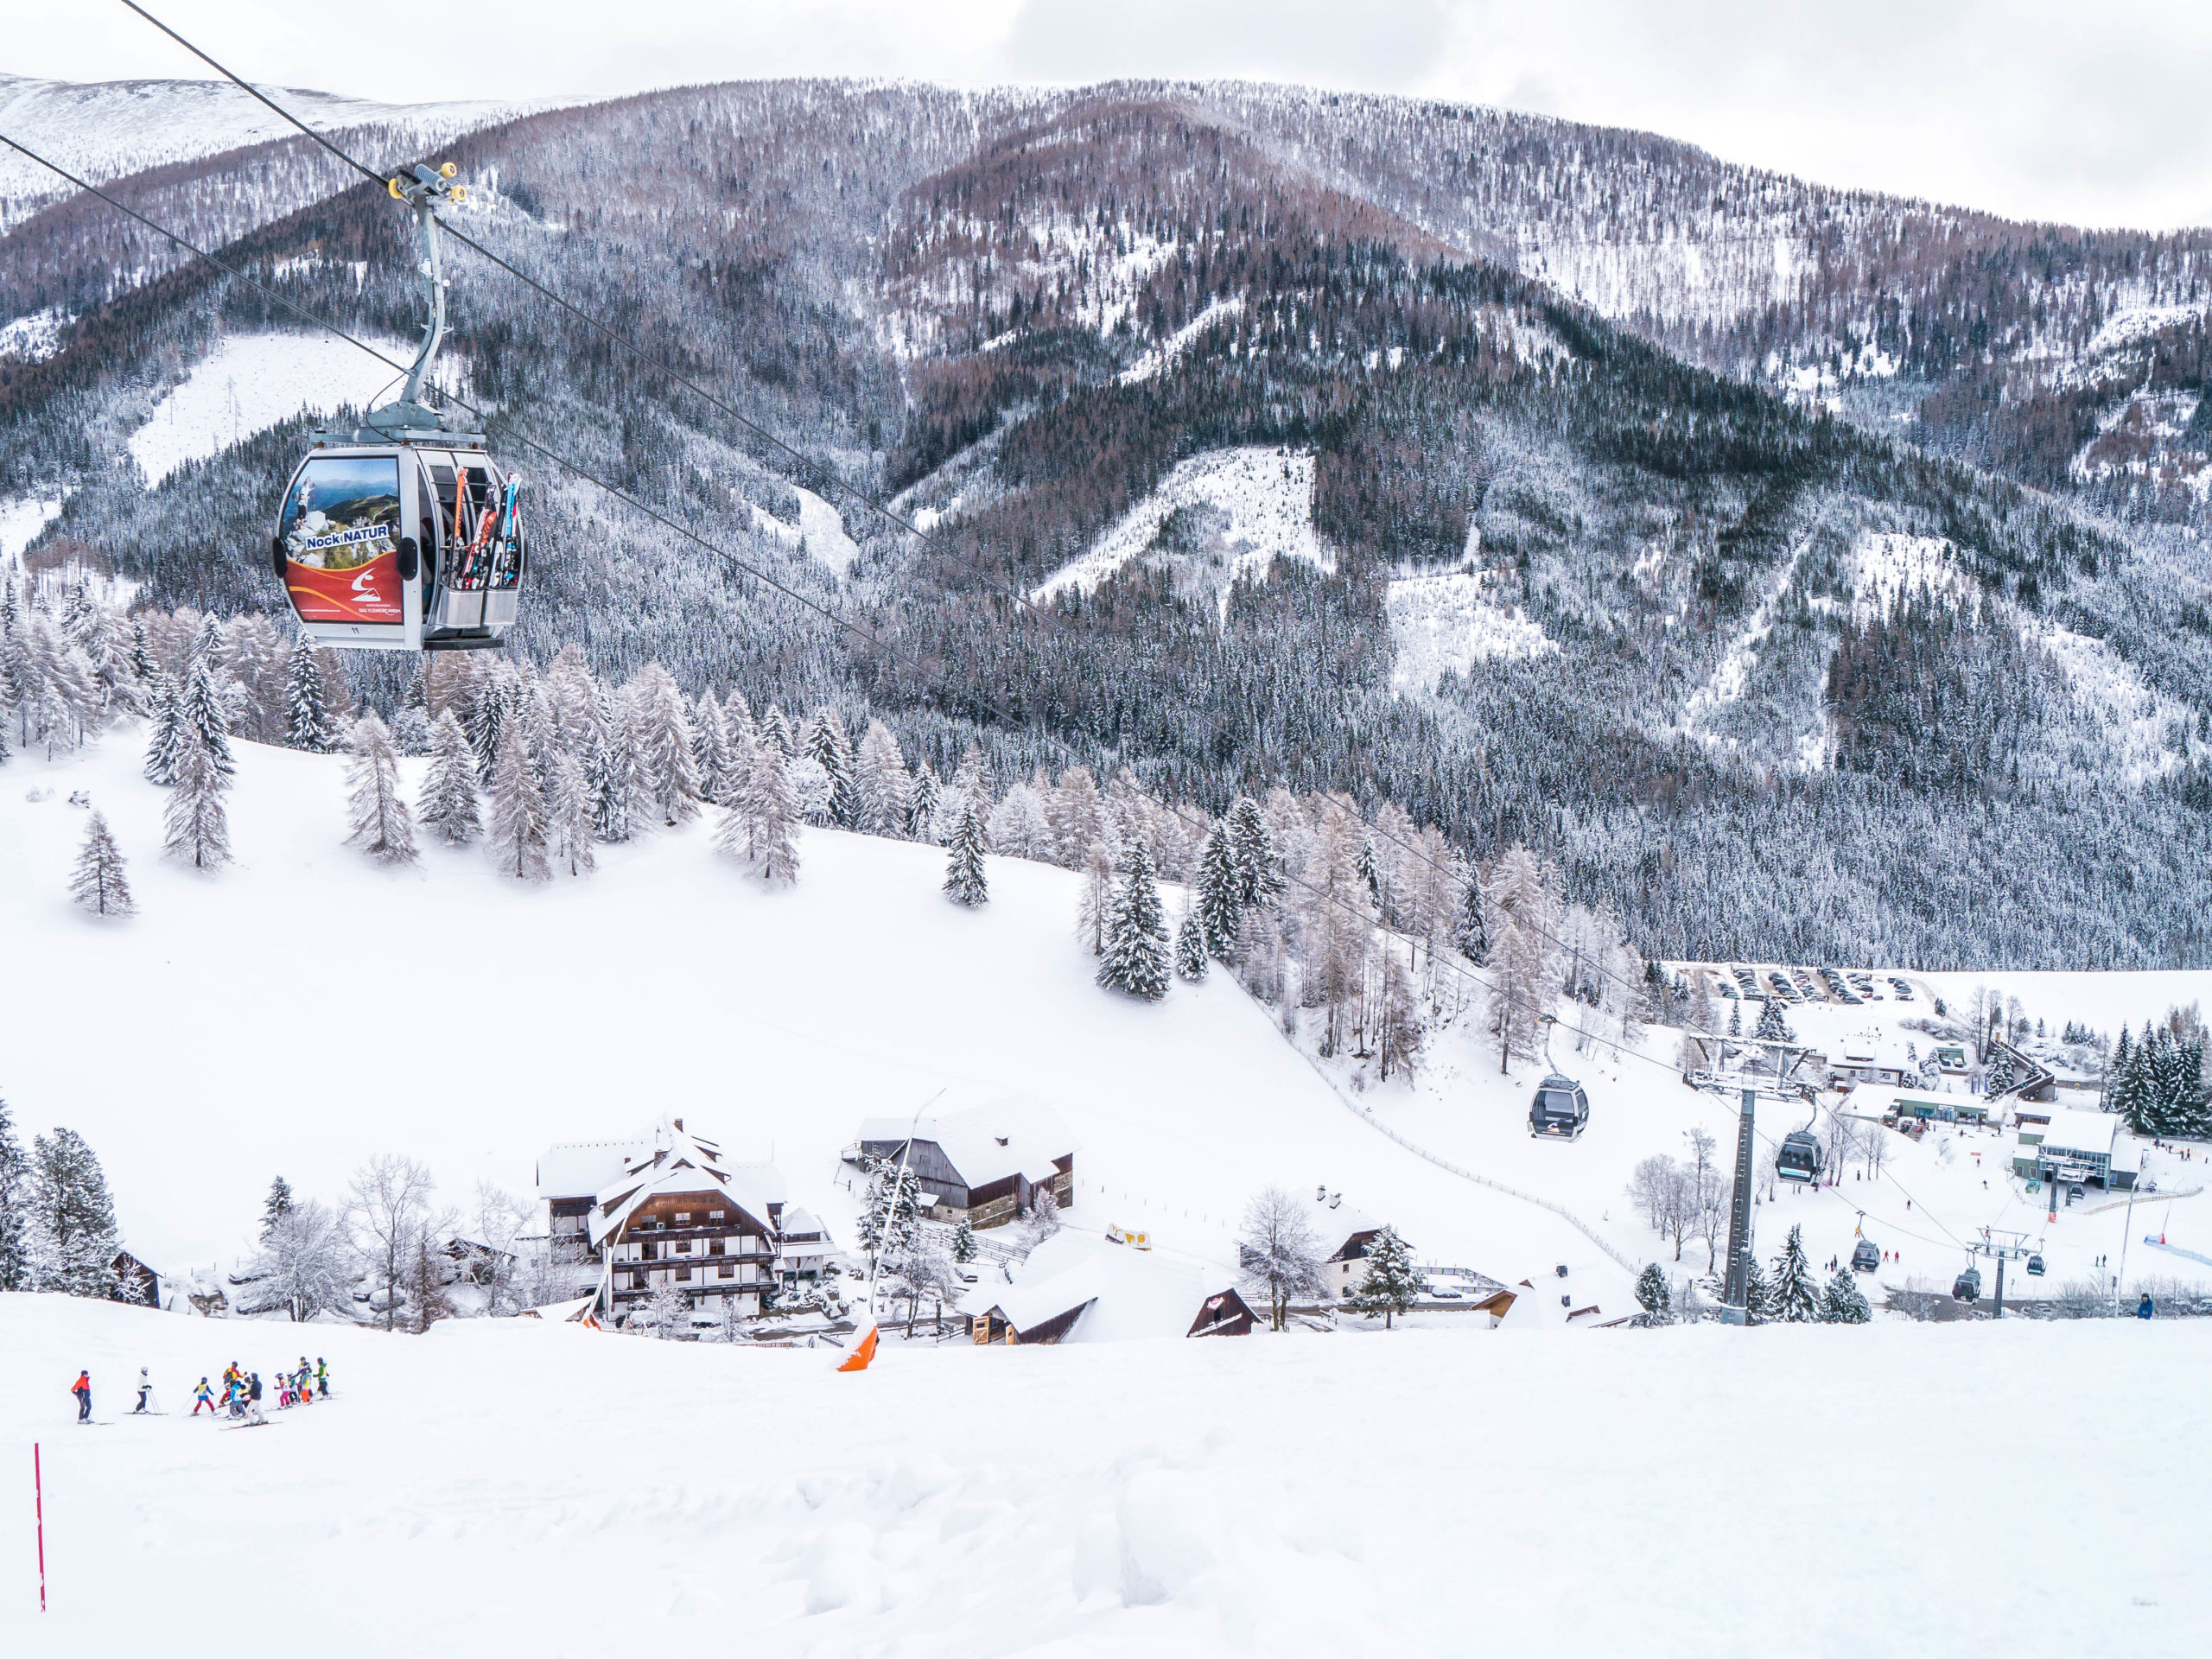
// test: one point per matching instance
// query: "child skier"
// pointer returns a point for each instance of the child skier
(82, 1388)
(322, 1376)
(203, 1395)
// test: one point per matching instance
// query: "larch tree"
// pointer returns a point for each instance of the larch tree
(517, 841)
(667, 775)
(965, 882)
(1136, 960)
(882, 787)
(611, 773)
(760, 828)
(1398, 1030)
(1094, 915)
(196, 826)
(309, 724)
(448, 803)
(710, 750)
(1391, 1284)
(569, 830)
(379, 822)
(97, 882)
(72, 1217)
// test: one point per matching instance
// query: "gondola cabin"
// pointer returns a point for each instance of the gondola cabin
(1966, 1287)
(1799, 1158)
(2035, 1267)
(411, 544)
(1560, 1107)
(1865, 1258)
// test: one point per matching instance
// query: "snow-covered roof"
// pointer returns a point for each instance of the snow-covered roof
(1335, 1222)
(578, 1169)
(2073, 1131)
(1019, 1135)
(1125, 1293)
(681, 1162)
(1872, 1100)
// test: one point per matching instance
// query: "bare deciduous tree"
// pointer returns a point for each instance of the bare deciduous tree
(1277, 1252)
(387, 1206)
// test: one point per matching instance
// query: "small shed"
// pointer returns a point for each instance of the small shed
(136, 1282)
(1078, 1287)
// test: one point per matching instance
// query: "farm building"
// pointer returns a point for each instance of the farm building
(136, 1281)
(984, 1166)
(1341, 1237)
(667, 1211)
(1080, 1287)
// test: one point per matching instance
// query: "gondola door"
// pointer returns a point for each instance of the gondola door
(460, 591)
(339, 551)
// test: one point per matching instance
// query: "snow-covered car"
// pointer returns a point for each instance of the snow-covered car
(1444, 1290)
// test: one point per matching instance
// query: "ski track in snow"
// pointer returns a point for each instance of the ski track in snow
(1163, 357)
(1728, 680)
(250, 382)
(1267, 492)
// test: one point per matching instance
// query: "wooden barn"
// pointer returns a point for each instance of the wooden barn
(984, 1166)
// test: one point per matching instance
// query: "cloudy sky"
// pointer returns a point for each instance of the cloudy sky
(2089, 112)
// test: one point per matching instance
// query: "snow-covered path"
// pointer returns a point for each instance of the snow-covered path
(512, 1488)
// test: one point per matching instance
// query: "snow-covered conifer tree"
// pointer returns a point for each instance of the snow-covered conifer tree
(710, 751)
(1260, 878)
(1391, 1284)
(965, 882)
(922, 805)
(1735, 1016)
(306, 704)
(195, 826)
(1772, 1028)
(569, 830)
(882, 788)
(162, 740)
(610, 772)
(963, 1237)
(760, 826)
(1136, 960)
(668, 776)
(378, 822)
(1758, 1297)
(1842, 1302)
(1191, 948)
(448, 803)
(72, 1216)
(97, 882)
(275, 1206)
(775, 733)
(484, 709)
(1794, 1300)
(1220, 908)
(18, 1269)
(202, 710)
(517, 841)
(825, 743)
(1653, 1296)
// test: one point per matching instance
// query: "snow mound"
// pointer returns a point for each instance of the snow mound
(250, 382)
(1448, 624)
(1265, 498)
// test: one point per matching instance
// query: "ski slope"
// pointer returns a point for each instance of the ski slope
(510, 1487)
(302, 1010)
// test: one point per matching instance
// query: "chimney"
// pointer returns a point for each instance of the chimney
(679, 1126)
(1320, 1195)
(1335, 1198)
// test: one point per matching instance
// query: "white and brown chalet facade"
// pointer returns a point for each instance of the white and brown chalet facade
(984, 1166)
(668, 1211)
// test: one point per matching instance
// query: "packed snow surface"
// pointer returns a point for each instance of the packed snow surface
(823, 529)
(1267, 495)
(521, 1488)
(250, 382)
(1448, 624)
(22, 522)
(1164, 356)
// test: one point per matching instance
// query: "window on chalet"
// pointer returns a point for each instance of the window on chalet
(683, 1274)
(725, 1271)
(684, 1247)
(714, 1247)
(649, 1250)
(683, 1217)
(637, 1280)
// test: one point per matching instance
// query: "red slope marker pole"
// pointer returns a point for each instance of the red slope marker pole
(38, 1490)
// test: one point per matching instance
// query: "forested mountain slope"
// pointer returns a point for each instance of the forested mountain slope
(1772, 683)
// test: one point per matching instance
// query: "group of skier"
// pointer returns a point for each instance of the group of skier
(240, 1395)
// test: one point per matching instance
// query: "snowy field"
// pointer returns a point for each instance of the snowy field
(1265, 495)
(516, 1488)
(1448, 624)
(250, 382)
(304, 1010)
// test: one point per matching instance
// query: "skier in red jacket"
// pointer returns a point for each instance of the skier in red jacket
(82, 1388)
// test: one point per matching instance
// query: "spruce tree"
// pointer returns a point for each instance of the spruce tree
(307, 701)
(611, 773)
(448, 803)
(72, 1217)
(1260, 878)
(483, 715)
(710, 751)
(965, 882)
(963, 1242)
(1135, 959)
(1758, 1298)
(1772, 1028)
(162, 740)
(922, 805)
(1220, 906)
(202, 710)
(825, 743)
(1391, 1284)
(1795, 1301)
(1735, 1016)
(1653, 1295)
(97, 882)
(379, 822)
(18, 1269)
(275, 1206)
(1842, 1302)
(196, 826)
(517, 842)
(1191, 957)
